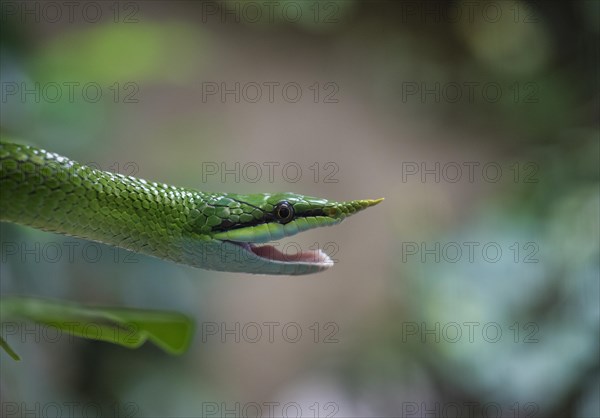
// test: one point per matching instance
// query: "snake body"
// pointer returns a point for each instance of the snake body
(215, 231)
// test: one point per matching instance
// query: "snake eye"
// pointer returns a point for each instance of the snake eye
(284, 212)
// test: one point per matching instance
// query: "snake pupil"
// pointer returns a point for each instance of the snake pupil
(284, 212)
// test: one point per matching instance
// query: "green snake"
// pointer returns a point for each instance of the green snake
(215, 231)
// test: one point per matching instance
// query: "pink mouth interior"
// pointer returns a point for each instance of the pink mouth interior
(309, 256)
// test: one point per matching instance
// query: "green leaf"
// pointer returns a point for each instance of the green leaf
(171, 331)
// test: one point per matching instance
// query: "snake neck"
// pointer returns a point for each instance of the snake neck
(46, 191)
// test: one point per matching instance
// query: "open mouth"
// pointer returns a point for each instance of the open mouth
(268, 252)
(254, 248)
(257, 246)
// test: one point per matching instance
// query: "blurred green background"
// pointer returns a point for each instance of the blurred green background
(473, 290)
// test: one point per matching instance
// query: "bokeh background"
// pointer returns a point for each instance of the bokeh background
(473, 290)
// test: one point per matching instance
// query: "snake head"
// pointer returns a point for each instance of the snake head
(261, 218)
